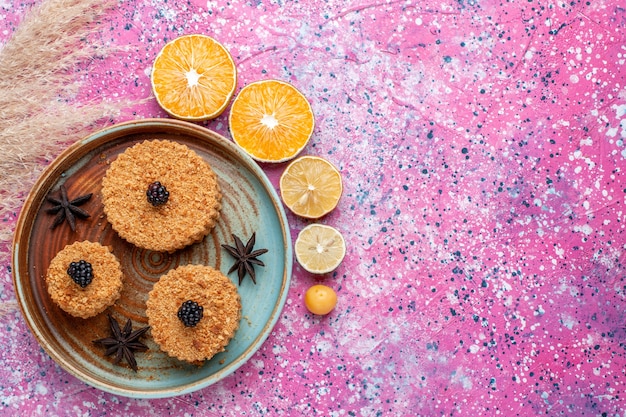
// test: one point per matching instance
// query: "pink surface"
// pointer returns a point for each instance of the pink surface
(482, 149)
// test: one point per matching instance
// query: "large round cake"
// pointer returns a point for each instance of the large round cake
(186, 197)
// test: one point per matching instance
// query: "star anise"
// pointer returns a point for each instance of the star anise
(124, 342)
(68, 209)
(245, 257)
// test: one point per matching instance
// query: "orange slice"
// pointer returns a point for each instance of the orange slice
(319, 248)
(194, 78)
(311, 186)
(271, 120)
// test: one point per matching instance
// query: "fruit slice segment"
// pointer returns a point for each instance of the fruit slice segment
(319, 248)
(271, 120)
(311, 186)
(194, 78)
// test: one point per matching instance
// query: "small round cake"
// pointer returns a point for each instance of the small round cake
(84, 278)
(160, 195)
(193, 312)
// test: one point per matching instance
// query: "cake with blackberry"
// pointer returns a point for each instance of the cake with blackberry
(160, 195)
(193, 312)
(84, 278)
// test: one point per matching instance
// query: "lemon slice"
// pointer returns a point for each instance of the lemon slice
(311, 186)
(319, 248)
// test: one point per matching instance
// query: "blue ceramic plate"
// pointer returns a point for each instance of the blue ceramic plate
(250, 204)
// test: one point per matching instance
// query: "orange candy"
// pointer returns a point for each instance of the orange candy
(320, 299)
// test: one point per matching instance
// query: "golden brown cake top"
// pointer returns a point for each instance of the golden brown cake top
(192, 208)
(104, 288)
(221, 312)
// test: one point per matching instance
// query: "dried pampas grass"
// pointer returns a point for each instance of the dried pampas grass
(39, 115)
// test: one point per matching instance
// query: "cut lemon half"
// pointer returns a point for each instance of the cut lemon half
(271, 120)
(319, 248)
(311, 186)
(194, 78)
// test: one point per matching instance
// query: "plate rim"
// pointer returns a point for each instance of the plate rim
(123, 128)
